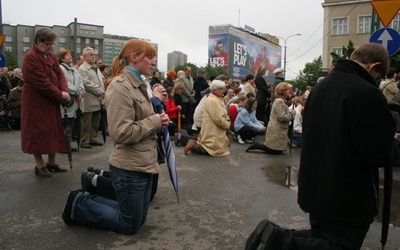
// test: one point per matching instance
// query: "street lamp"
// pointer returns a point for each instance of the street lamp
(284, 55)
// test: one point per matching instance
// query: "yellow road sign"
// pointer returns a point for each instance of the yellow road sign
(386, 10)
(2, 37)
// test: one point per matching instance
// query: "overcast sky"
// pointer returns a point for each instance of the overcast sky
(183, 25)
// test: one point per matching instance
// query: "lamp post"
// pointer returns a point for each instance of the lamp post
(284, 53)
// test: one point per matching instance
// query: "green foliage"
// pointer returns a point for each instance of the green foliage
(395, 61)
(309, 75)
(346, 52)
(191, 65)
(11, 60)
(216, 71)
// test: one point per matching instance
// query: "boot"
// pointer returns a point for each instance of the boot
(256, 145)
(189, 146)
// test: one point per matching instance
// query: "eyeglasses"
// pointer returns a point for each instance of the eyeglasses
(49, 43)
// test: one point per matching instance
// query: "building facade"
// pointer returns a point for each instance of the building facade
(346, 20)
(113, 45)
(74, 37)
(175, 59)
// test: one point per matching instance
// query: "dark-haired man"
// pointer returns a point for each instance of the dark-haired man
(338, 177)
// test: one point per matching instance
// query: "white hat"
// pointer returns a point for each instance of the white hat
(278, 70)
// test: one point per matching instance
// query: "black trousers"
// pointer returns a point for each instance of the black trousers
(326, 235)
(247, 132)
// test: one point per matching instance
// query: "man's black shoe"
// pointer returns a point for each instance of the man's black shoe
(86, 181)
(66, 215)
(254, 239)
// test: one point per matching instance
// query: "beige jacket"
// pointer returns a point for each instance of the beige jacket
(93, 83)
(277, 130)
(216, 122)
(132, 125)
(188, 87)
(389, 88)
(249, 88)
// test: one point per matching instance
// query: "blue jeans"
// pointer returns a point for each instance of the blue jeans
(296, 139)
(127, 214)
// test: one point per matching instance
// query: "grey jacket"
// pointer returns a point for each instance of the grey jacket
(188, 87)
(93, 82)
(75, 87)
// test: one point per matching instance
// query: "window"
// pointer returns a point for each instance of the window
(87, 41)
(337, 51)
(364, 24)
(62, 48)
(96, 41)
(78, 40)
(8, 48)
(96, 51)
(62, 31)
(340, 26)
(25, 49)
(62, 40)
(26, 39)
(396, 22)
(78, 50)
(8, 39)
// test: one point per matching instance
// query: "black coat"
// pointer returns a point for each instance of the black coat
(199, 85)
(168, 82)
(262, 94)
(347, 134)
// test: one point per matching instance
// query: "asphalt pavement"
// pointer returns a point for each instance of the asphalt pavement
(222, 199)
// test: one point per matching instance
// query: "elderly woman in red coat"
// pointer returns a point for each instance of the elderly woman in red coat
(44, 86)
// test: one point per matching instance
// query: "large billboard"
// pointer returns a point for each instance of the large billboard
(241, 56)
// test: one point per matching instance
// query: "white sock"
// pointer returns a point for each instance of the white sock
(101, 172)
(94, 180)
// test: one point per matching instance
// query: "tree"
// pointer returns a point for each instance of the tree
(191, 65)
(11, 60)
(216, 71)
(309, 75)
(395, 61)
(346, 52)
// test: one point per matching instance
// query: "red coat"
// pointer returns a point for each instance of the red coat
(172, 109)
(41, 124)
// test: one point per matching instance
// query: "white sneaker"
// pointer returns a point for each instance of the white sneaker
(240, 139)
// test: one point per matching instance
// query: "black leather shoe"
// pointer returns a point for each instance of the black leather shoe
(96, 143)
(177, 141)
(254, 239)
(86, 181)
(66, 215)
(272, 236)
(55, 168)
(94, 170)
(253, 146)
(85, 146)
(42, 172)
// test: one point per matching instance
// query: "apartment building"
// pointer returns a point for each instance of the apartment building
(74, 37)
(175, 59)
(346, 20)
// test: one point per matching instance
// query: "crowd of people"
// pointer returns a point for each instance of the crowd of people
(137, 109)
